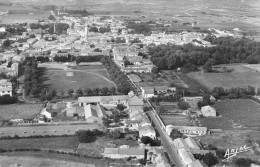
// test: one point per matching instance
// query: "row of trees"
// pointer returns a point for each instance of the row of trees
(69, 58)
(170, 98)
(43, 59)
(59, 27)
(121, 80)
(228, 50)
(49, 95)
(31, 76)
(139, 28)
(80, 59)
(235, 93)
(87, 136)
(7, 99)
(82, 13)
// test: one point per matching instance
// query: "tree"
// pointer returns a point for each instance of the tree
(79, 92)
(206, 99)
(115, 134)
(207, 67)
(183, 105)
(53, 93)
(104, 91)
(146, 140)
(210, 159)
(3, 75)
(85, 136)
(9, 64)
(155, 70)
(106, 121)
(176, 134)
(32, 36)
(242, 162)
(116, 117)
(120, 107)
(77, 60)
(6, 43)
(51, 17)
(70, 92)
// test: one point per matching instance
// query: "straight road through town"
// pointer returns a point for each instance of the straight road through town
(165, 139)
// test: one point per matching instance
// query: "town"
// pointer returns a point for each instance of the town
(105, 90)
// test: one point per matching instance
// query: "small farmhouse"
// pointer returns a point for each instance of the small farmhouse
(208, 111)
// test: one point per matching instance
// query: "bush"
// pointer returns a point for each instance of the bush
(183, 105)
(87, 136)
(115, 134)
(176, 134)
(146, 140)
(242, 162)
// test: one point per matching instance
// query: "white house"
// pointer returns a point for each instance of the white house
(45, 113)
(5, 87)
(188, 130)
(147, 92)
(208, 111)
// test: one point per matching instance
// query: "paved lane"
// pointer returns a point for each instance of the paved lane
(165, 139)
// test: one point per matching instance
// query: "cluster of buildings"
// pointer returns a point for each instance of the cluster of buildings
(123, 53)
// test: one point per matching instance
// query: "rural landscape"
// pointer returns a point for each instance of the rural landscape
(147, 83)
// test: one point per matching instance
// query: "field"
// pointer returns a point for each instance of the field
(82, 77)
(97, 148)
(241, 76)
(39, 161)
(235, 114)
(25, 15)
(54, 143)
(179, 120)
(233, 139)
(41, 130)
(19, 111)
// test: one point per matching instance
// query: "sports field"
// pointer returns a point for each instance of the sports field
(241, 76)
(77, 77)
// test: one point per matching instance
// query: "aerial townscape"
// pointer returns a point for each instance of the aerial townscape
(116, 83)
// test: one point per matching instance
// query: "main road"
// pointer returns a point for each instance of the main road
(165, 139)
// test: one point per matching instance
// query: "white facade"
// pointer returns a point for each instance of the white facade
(5, 88)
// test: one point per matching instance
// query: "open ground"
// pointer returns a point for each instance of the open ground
(19, 111)
(77, 77)
(42, 130)
(240, 77)
(235, 114)
(21, 160)
(54, 143)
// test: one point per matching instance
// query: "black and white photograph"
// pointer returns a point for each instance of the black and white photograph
(129, 83)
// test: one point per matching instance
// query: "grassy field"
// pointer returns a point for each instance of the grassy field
(235, 114)
(241, 76)
(80, 77)
(176, 120)
(19, 111)
(55, 143)
(231, 139)
(97, 148)
(39, 161)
